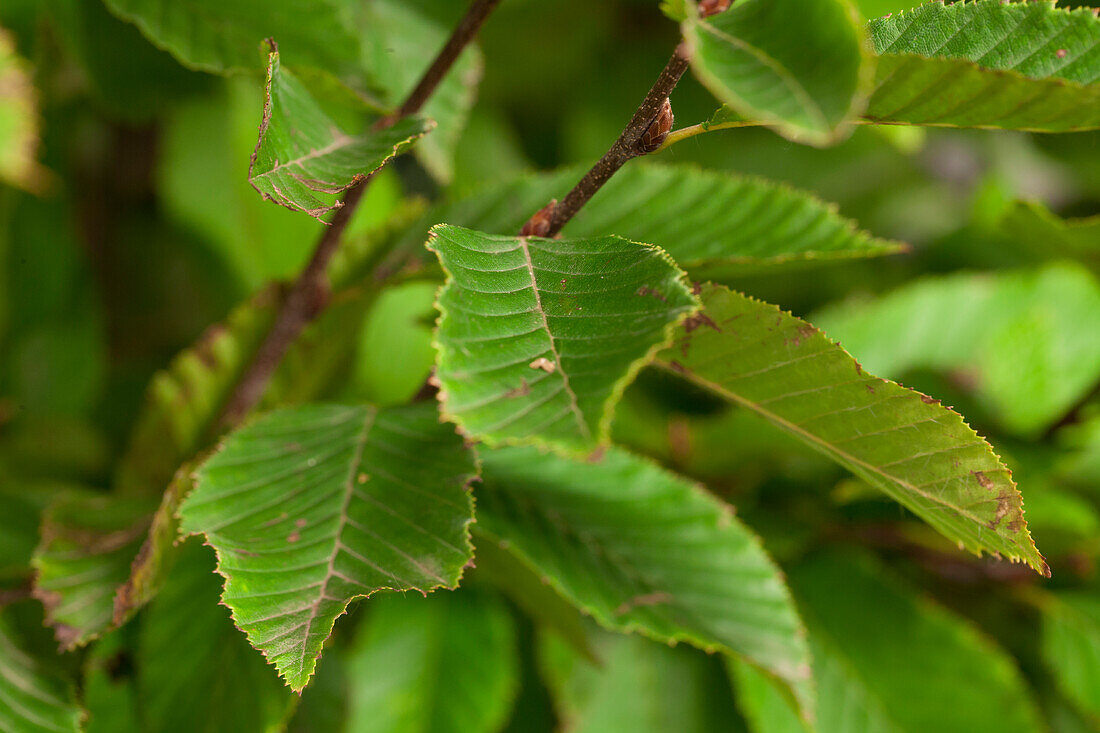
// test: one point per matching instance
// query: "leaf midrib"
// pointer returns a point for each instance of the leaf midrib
(559, 367)
(337, 545)
(811, 437)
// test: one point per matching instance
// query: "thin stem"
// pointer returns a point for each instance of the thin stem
(685, 132)
(626, 147)
(309, 294)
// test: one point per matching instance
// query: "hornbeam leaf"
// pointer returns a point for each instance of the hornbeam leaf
(223, 35)
(988, 64)
(952, 93)
(643, 550)
(443, 664)
(1034, 39)
(195, 671)
(32, 699)
(311, 507)
(799, 65)
(88, 543)
(537, 338)
(303, 158)
(906, 444)
(713, 224)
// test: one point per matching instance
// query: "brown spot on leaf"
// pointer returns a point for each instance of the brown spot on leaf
(1060, 53)
(859, 367)
(522, 390)
(929, 400)
(696, 288)
(802, 333)
(870, 387)
(293, 537)
(984, 481)
(646, 599)
(1004, 506)
(646, 290)
(597, 455)
(363, 478)
(544, 364)
(677, 367)
(299, 523)
(700, 319)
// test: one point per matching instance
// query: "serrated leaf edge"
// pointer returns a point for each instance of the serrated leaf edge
(1038, 563)
(602, 439)
(467, 488)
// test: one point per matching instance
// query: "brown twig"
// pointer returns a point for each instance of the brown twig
(309, 294)
(635, 140)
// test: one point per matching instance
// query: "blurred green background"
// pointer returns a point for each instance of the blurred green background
(145, 232)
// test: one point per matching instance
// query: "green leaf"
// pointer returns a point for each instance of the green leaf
(157, 554)
(202, 183)
(953, 679)
(798, 65)
(953, 93)
(302, 155)
(1071, 646)
(719, 225)
(643, 550)
(88, 543)
(1029, 340)
(399, 42)
(32, 698)
(224, 35)
(713, 224)
(433, 665)
(637, 686)
(906, 444)
(1034, 39)
(18, 121)
(537, 338)
(313, 506)
(195, 671)
(988, 64)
